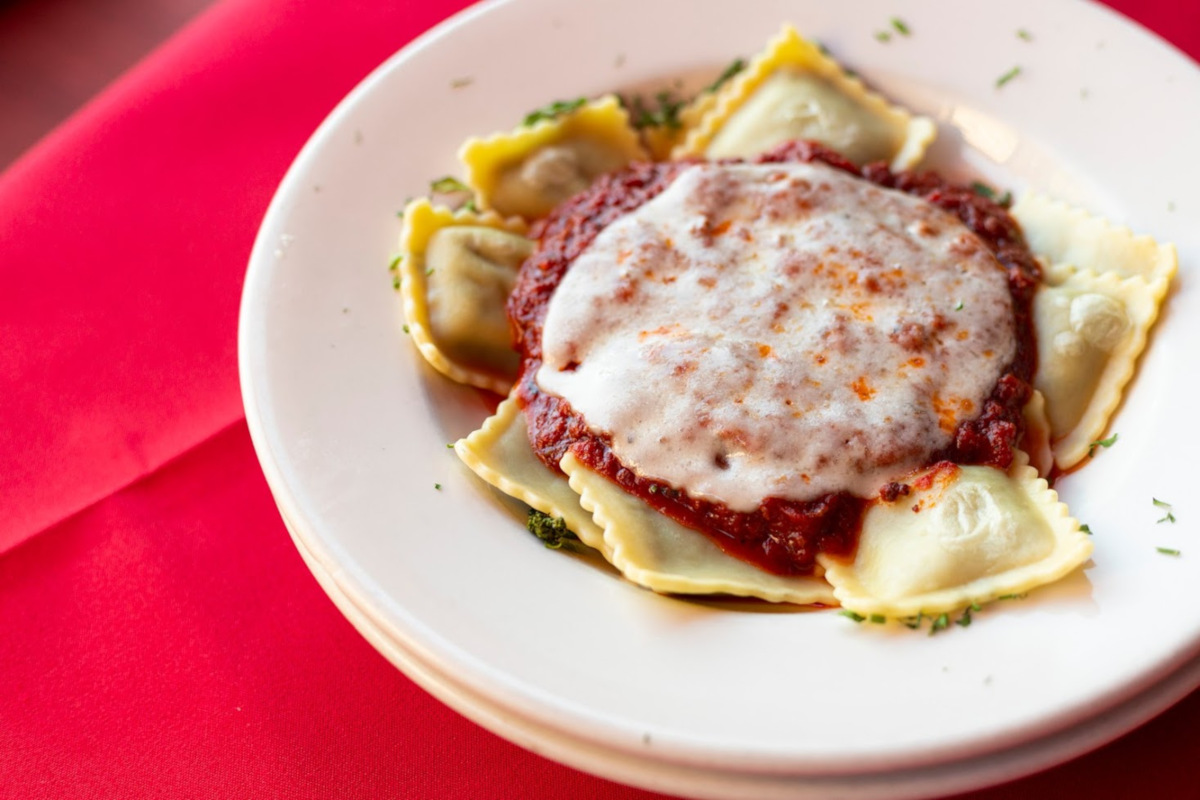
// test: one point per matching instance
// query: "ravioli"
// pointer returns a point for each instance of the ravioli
(794, 91)
(935, 538)
(456, 271)
(1091, 329)
(658, 553)
(499, 453)
(1104, 289)
(530, 170)
(1070, 239)
(967, 535)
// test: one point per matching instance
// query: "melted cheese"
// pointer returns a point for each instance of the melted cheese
(779, 330)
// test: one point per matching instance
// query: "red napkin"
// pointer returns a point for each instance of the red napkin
(162, 637)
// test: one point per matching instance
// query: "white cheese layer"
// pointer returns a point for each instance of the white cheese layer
(778, 330)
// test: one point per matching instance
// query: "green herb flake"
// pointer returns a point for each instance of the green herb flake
(470, 206)
(1024, 35)
(958, 306)
(965, 619)
(449, 445)
(878, 619)
(940, 623)
(1085, 529)
(404, 328)
(912, 623)
(1005, 200)
(852, 615)
(437, 486)
(883, 36)
(665, 114)
(1168, 551)
(396, 286)
(900, 27)
(552, 531)
(1020, 596)
(460, 83)
(736, 66)
(1170, 517)
(983, 190)
(1106, 443)
(553, 110)
(395, 263)
(448, 184)
(429, 271)
(1008, 76)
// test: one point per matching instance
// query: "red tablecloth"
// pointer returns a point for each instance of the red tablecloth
(160, 635)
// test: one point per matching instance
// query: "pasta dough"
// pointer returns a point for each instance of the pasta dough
(532, 169)
(972, 534)
(456, 272)
(794, 91)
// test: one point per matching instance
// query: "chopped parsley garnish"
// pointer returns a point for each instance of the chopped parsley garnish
(900, 27)
(1109, 442)
(1008, 76)
(1024, 35)
(736, 66)
(1020, 596)
(664, 115)
(395, 263)
(396, 286)
(852, 615)
(912, 623)
(429, 271)
(883, 36)
(1085, 529)
(450, 445)
(965, 619)
(437, 486)
(459, 83)
(983, 190)
(448, 185)
(878, 619)
(470, 206)
(404, 328)
(940, 623)
(958, 306)
(553, 110)
(1170, 517)
(1168, 551)
(553, 531)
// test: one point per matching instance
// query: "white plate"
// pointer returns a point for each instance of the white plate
(351, 428)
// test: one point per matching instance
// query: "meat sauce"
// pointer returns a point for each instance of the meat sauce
(781, 535)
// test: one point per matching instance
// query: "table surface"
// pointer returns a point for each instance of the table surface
(162, 636)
